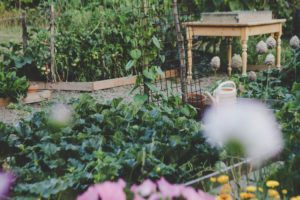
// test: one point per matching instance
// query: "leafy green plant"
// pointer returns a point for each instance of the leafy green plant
(289, 174)
(12, 86)
(104, 142)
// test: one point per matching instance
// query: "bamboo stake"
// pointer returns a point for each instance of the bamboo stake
(24, 31)
(180, 45)
(52, 43)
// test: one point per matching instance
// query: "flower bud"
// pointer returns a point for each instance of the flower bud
(271, 42)
(236, 61)
(215, 63)
(261, 47)
(270, 59)
(294, 42)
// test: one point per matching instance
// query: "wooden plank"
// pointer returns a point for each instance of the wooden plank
(199, 23)
(111, 83)
(264, 29)
(73, 86)
(258, 67)
(97, 85)
(37, 97)
(40, 85)
(217, 31)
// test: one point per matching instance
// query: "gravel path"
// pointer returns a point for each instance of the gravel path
(17, 111)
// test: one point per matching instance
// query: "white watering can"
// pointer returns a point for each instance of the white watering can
(225, 93)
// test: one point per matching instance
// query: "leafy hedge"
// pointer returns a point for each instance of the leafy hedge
(105, 141)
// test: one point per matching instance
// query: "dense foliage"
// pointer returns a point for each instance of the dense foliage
(105, 141)
(12, 86)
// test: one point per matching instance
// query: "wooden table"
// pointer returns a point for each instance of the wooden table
(242, 30)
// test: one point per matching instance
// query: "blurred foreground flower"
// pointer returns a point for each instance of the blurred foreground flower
(105, 191)
(162, 190)
(261, 47)
(249, 123)
(271, 42)
(295, 42)
(6, 180)
(60, 115)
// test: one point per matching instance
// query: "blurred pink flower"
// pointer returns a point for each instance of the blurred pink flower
(191, 194)
(6, 180)
(145, 189)
(106, 191)
(90, 194)
(168, 190)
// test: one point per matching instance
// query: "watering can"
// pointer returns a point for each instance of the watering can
(225, 93)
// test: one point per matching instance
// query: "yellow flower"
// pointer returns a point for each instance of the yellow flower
(223, 179)
(225, 189)
(272, 184)
(251, 188)
(224, 197)
(260, 189)
(273, 193)
(213, 179)
(298, 197)
(245, 195)
(284, 191)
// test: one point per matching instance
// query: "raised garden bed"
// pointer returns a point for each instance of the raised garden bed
(96, 85)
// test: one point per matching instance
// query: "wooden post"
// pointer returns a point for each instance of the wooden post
(190, 54)
(52, 43)
(24, 31)
(244, 38)
(180, 45)
(278, 50)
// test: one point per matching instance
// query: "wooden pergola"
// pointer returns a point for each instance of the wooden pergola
(230, 30)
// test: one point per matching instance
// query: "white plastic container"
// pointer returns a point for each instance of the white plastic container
(225, 93)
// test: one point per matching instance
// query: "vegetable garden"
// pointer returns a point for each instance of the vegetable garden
(166, 137)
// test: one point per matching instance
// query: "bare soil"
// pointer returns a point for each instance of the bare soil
(15, 112)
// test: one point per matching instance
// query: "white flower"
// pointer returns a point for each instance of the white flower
(252, 76)
(295, 42)
(250, 123)
(60, 115)
(236, 61)
(215, 63)
(271, 42)
(261, 47)
(270, 59)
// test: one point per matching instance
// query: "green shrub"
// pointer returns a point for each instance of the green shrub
(12, 86)
(105, 142)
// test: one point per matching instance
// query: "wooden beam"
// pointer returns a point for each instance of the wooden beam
(73, 86)
(37, 97)
(97, 85)
(111, 83)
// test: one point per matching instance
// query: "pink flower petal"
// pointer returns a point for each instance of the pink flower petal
(168, 190)
(90, 194)
(6, 180)
(145, 189)
(111, 190)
